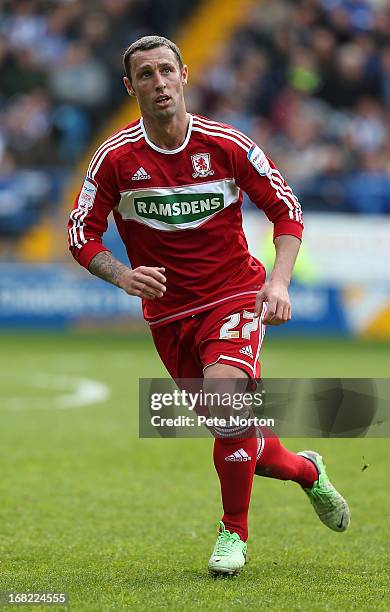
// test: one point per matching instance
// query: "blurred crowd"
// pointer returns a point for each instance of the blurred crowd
(61, 76)
(309, 80)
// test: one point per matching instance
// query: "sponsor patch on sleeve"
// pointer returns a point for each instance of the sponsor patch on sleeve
(259, 160)
(87, 194)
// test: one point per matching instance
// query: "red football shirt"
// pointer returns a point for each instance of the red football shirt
(181, 210)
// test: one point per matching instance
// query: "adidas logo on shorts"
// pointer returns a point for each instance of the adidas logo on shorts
(239, 455)
(247, 350)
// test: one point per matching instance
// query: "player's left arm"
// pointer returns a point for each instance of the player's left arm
(258, 176)
(275, 290)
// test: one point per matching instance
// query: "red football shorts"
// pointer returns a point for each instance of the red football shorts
(228, 334)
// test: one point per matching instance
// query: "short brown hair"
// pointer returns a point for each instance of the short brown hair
(149, 42)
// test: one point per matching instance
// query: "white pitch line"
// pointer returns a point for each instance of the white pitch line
(77, 392)
(83, 391)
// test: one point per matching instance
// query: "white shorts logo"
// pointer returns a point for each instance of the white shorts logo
(87, 194)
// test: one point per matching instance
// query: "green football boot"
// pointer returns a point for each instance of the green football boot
(229, 554)
(330, 506)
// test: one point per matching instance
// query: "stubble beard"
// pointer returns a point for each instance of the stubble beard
(165, 114)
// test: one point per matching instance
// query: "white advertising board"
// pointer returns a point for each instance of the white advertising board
(337, 249)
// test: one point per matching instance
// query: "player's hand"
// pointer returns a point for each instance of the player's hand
(275, 295)
(144, 282)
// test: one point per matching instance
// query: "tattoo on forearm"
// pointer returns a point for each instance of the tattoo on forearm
(105, 266)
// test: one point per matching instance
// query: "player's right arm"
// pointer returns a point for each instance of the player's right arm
(87, 224)
(145, 282)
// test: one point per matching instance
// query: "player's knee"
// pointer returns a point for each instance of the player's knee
(222, 378)
(223, 381)
(222, 370)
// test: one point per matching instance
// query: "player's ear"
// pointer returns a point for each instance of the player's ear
(184, 75)
(129, 87)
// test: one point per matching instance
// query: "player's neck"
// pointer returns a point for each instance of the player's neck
(168, 134)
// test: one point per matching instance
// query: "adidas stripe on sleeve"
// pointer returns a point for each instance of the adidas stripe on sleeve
(95, 201)
(258, 176)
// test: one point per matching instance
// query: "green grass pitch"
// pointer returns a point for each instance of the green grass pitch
(122, 523)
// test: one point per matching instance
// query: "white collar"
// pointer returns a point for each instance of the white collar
(169, 151)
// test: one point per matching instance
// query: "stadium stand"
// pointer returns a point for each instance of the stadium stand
(308, 79)
(60, 75)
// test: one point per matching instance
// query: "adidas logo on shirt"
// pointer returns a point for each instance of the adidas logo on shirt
(140, 175)
(247, 350)
(239, 455)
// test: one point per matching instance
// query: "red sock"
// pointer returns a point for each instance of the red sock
(236, 477)
(277, 462)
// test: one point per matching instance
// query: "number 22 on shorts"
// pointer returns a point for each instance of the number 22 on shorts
(228, 330)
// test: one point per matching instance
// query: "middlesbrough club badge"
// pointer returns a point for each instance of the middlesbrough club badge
(202, 165)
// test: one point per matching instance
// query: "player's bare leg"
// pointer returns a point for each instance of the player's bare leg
(235, 452)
